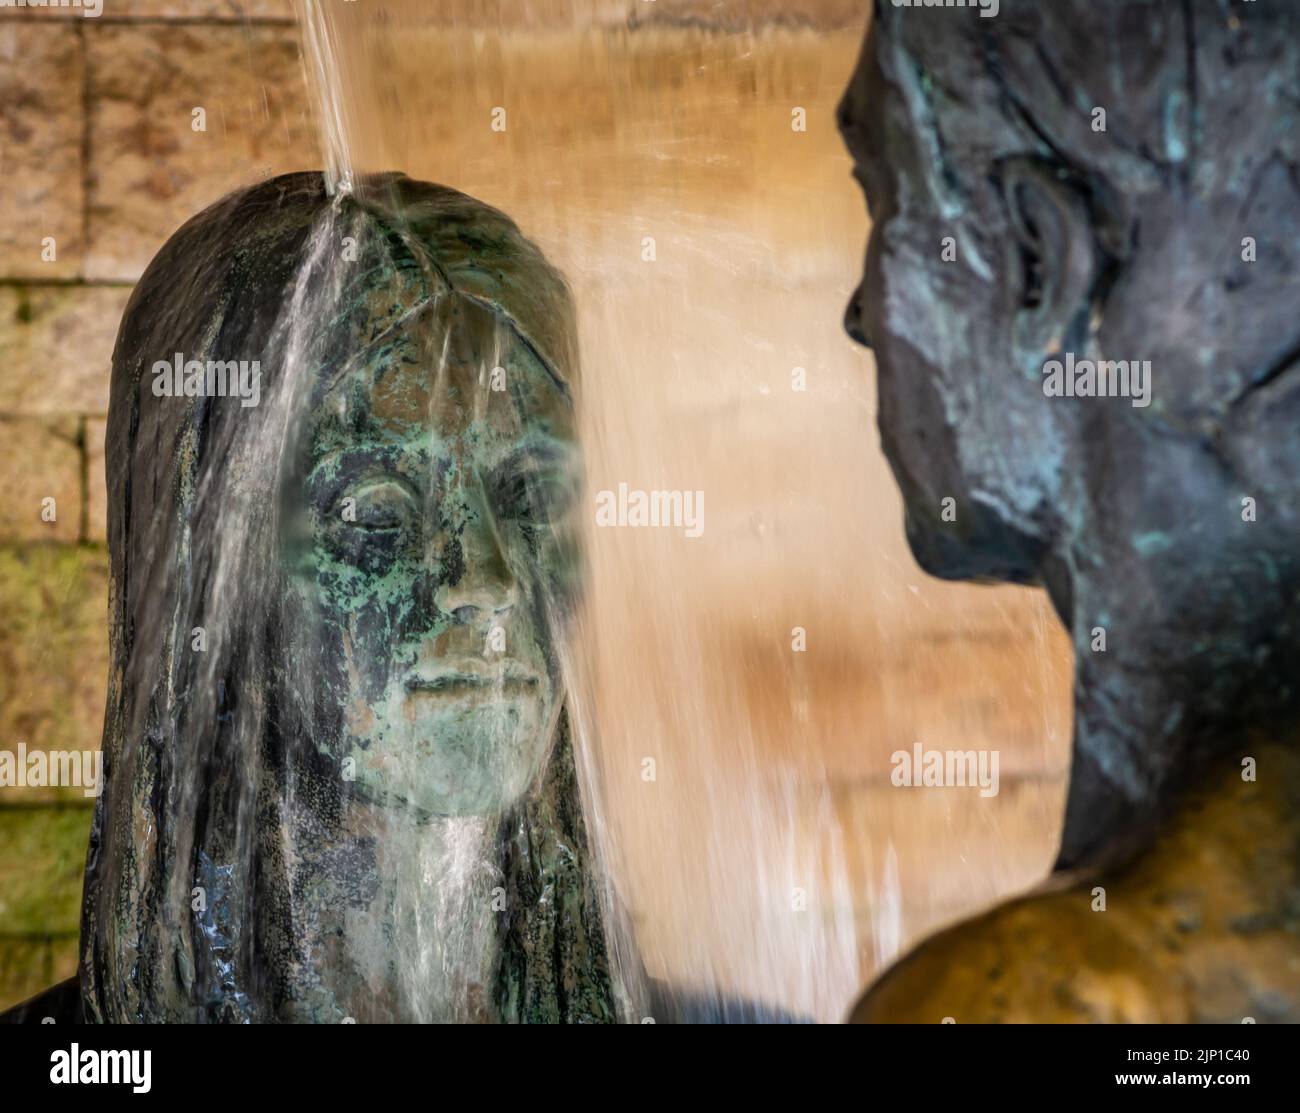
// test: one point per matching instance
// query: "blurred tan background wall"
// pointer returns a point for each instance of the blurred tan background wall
(628, 119)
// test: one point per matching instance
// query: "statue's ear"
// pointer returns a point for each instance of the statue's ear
(1051, 259)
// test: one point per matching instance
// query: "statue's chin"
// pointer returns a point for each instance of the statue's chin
(992, 554)
(461, 759)
(939, 552)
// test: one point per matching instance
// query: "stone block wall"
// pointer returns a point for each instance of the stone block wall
(102, 161)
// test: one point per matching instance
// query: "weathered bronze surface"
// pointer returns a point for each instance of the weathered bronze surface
(1108, 180)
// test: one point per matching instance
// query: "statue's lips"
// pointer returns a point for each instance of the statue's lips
(470, 679)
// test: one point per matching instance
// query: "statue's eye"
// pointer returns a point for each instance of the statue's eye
(513, 498)
(376, 507)
(534, 497)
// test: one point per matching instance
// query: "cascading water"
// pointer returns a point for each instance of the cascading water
(322, 70)
(732, 697)
(736, 790)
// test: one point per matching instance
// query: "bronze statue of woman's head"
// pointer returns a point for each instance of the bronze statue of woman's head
(343, 481)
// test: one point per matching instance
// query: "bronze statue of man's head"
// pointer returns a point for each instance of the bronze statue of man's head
(1081, 289)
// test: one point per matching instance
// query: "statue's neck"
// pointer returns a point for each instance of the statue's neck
(1170, 677)
(377, 917)
(396, 918)
(1227, 843)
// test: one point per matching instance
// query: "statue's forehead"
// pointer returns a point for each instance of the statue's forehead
(453, 375)
(427, 463)
(885, 132)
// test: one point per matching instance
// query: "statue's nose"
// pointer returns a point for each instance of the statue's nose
(853, 323)
(478, 578)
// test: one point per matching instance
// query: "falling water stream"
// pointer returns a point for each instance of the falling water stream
(735, 696)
